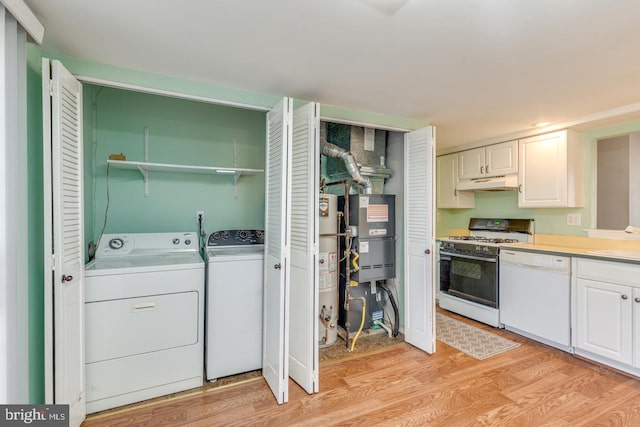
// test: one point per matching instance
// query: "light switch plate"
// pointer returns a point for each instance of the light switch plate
(574, 219)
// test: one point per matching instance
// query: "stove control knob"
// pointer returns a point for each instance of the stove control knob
(243, 234)
(187, 242)
(176, 241)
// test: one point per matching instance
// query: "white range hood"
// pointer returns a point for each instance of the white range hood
(496, 183)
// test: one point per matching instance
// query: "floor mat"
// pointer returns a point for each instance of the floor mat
(470, 340)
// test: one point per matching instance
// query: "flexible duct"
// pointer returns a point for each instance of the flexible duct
(332, 150)
(396, 312)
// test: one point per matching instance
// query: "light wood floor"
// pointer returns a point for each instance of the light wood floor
(532, 385)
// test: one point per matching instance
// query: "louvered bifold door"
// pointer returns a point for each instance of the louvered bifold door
(275, 360)
(419, 278)
(303, 325)
(65, 239)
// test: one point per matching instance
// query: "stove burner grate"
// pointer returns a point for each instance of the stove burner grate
(481, 239)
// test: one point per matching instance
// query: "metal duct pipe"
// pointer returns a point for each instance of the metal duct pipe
(332, 150)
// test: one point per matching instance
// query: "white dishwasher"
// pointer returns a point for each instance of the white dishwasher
(535, 299)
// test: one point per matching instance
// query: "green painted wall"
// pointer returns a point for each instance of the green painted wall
(35, 202)
(180, 132)
(548, 221)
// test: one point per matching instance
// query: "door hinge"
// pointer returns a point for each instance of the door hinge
(53, 262)
(50, 87)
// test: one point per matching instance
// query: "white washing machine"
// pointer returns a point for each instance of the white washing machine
(235, 262)
(144, 318)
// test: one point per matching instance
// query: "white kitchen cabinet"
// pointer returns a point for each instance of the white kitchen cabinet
(447, 178)
(605, 312)
(492, 160)
(604, 319)
(636, 329)
(551, 170)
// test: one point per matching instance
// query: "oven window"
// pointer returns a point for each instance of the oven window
(474, 280)
(471, 270)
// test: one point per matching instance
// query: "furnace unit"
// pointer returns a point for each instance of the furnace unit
(372, 258)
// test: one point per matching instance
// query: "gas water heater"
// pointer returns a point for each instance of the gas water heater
(328, 270)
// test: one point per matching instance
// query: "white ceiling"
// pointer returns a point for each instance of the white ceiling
(476, 69)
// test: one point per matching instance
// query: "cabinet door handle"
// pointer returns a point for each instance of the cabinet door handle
(624, 296)
(277, 266)
(427, 251)
(520, 188)
(486, 169)
(481, 169)
(455, 192)
(637, 299)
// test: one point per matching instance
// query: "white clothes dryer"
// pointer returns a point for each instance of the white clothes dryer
(235, 263)
(144, 318)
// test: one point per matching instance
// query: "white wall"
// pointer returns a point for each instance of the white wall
(14, 274)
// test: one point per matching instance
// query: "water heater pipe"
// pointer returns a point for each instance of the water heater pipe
(332, 150)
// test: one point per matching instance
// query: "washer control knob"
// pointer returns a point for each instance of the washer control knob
(116, 243)
(176, 241)
(187, 242)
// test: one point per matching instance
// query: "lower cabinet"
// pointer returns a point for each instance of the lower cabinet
(636, 328)
(606, 307)
(603, 319)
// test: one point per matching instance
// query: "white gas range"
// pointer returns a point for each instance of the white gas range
(469, 269)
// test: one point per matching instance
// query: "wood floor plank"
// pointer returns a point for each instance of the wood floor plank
(531, 385)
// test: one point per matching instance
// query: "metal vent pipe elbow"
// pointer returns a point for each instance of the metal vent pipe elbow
(332, 150)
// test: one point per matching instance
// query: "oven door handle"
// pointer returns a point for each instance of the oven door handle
(476, 258)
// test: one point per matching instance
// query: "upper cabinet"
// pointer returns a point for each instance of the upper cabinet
(447, 177)
(492, 160)
(551, 170)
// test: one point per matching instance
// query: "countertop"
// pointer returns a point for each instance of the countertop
(578, 246)
(601, 254)
(586, 247)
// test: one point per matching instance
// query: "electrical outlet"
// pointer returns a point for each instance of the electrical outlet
(199, 217)
(574, 219)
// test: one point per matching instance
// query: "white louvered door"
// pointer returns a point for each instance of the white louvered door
(64, 240)
(275, 360)
(303, 311)
(419, 276)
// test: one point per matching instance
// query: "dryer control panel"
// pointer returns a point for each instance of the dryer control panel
(235, 238)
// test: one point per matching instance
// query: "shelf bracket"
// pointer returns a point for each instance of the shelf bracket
(144, 171)
(145, 175)
(236, 176)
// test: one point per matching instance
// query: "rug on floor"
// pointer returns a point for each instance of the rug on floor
(469, 339)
